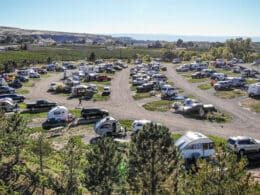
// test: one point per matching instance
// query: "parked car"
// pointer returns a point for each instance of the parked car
(22, 78)
(42, 71)
(218, 76)
(50, 67)
(103, 78)
(106, 91)
(183, 68)
(14, 97)
(60, 68)
(195, 145)
(208, 72)
(41, 104)
(90, 113)
(34, 75)
(6, 90)
(223, 85)
(198, 75)
(243, 145)
(15, 84)
(237, 81)
(254, 90)
(110, 70)
(138, 125)
(146, 87)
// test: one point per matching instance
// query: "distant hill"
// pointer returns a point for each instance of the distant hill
(171, 38)
(18, 34)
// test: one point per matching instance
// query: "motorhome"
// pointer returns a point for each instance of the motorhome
(254, 90)
(195, 145)
(108, 126)
(81, 90)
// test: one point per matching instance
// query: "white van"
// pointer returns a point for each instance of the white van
(139, 125)
(108, 126)
(254, 90)
(195, 145)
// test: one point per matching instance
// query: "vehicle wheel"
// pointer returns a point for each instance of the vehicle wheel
(242, 153)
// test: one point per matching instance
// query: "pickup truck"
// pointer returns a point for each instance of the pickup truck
(40, 104)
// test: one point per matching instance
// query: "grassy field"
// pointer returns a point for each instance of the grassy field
(205, 86)
(22, 91)
(229, 94)
(198, 80)
(29, 84)
(160, 106)
(139, 96)
(253, 104)
(126, 124)
(72, 53)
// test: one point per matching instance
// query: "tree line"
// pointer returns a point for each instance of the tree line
(149, 164)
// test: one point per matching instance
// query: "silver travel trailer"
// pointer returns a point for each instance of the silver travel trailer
(7, 105)
(108, 126)
(195, 145)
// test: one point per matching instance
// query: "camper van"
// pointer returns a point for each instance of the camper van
(7, 105)
(195, 145)
(108, 126)
(254, 90)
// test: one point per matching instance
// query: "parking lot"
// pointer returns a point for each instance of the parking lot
(122, 106)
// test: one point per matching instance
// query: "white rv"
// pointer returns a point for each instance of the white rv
(254, 90)
(59, 113)
(195, 145)
(108, 126)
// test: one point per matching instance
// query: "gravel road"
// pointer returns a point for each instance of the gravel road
(121, 105)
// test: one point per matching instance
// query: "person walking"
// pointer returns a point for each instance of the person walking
(80, 101)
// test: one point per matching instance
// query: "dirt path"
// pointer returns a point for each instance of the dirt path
(121, 105)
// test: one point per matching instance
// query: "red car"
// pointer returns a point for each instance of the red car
(104, 78)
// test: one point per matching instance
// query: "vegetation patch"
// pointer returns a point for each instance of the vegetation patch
(99, 97)
(216, 117)
(133, 88)
(251, 81)
(160, 106)
(198, 80)
(139, 96)
(22, 105)
(253, 104)
(205, 86)
(29, 84)
(126, 124)
(229, 94)
(22, 91)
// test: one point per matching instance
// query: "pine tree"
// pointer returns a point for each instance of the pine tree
(226, 176)
(72, 160)
(152, 160)
(102, 171)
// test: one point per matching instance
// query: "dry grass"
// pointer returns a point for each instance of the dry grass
(252, 104)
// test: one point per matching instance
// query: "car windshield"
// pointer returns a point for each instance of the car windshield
(231, 141)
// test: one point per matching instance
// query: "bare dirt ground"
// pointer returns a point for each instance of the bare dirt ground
(121, 105)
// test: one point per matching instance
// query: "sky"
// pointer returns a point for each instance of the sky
(178, 17)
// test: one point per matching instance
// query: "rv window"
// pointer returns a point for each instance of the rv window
(211, 145)
(205, 146)
(197, 146)
(106, 126)
(57, 113)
